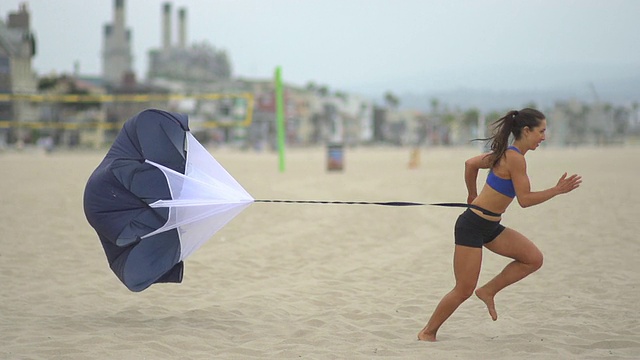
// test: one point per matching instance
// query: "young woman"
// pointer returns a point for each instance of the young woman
(480, 224)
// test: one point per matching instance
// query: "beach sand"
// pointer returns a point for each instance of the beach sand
(286, 281)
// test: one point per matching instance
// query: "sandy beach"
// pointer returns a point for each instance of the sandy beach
(285, 281)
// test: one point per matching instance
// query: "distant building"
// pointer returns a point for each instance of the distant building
(116, 56)
(197, 64)
(17, 48)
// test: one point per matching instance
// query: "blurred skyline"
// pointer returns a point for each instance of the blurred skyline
(368, 46)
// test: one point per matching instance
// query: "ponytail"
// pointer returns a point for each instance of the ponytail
(510, 124)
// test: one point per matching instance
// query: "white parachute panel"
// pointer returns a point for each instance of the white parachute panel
(204, 199)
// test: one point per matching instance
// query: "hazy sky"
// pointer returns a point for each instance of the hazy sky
(368, 45)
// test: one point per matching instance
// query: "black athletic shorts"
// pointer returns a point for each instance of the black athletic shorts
(475, 231)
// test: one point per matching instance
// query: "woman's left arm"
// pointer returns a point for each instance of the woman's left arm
(518, 170)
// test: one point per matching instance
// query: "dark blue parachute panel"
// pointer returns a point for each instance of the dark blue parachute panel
(119, 191)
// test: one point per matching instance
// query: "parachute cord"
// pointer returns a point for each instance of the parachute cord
(389, 203)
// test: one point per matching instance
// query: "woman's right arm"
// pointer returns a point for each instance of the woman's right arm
(471, 168)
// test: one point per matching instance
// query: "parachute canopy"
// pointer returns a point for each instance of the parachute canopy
(157, 196)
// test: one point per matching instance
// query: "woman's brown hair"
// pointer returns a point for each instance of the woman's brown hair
(510, 124)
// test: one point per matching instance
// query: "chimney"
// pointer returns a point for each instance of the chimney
(166, 26)
(20, 20)
(182, 28)
(118, 21)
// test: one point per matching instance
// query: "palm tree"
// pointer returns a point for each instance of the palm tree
(435, 106)
(323, 90)
(635, 106)
(391, 100)
(311, 86)
(470, 117)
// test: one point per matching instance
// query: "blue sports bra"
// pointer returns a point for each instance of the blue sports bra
(503, 186)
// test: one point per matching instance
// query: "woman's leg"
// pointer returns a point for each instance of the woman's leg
(466, 268)
(527, 258)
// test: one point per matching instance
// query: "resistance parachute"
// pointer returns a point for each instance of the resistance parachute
(157, 196)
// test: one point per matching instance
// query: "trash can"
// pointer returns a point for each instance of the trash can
(335, 157)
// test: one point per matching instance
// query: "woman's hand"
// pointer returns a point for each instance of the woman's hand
(567, 184)
(471, 197)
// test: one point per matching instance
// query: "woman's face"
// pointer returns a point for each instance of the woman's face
(536, 135)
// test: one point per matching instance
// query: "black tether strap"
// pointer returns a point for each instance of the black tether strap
(482, 210)
(390, 203)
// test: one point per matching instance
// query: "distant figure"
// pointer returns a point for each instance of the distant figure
(475, 228)
(414, 158)
(47, 144)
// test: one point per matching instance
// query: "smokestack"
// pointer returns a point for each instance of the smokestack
(166, 26)
(118, 21)
(182, 28)
(20, 20)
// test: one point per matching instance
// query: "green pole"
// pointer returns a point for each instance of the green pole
(280, 118)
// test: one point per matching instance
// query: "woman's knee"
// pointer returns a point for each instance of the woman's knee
(536, 260)
(463, 292)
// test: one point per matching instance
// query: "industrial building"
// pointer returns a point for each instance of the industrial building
(179, 62)
(17, 48)
(116, 56)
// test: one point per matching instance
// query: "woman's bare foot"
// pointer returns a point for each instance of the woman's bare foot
(488, 300)
(425, 336)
